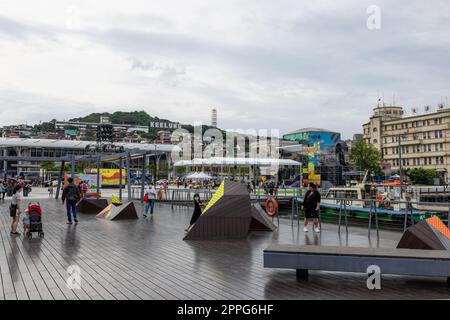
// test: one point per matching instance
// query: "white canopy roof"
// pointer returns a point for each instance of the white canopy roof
(218, 161)
(75, 144)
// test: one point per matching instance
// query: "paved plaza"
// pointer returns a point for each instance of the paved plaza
(147, 259)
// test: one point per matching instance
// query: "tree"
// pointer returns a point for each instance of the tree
(80, 166)
(365, 156)
(180, 170)
(423, 176)
(152, 169)
(67, 167)
(48, 166)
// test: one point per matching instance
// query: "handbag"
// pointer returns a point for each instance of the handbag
(146, 197)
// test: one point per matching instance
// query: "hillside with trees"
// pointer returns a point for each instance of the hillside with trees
(141, 118)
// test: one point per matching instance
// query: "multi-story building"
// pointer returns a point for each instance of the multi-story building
(17, 131)
(164, 137)
(419, 141)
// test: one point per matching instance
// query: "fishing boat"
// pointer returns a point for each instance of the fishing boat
(390, 201)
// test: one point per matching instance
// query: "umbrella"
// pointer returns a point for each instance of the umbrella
(199, 176)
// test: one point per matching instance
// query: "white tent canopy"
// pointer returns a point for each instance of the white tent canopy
(221, 161)
(199, 176)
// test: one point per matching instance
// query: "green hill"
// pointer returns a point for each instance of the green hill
(134, 118)
(120, 117)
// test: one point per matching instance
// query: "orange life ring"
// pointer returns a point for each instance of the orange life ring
(271, 206)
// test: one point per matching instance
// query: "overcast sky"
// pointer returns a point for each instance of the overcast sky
(263, 64)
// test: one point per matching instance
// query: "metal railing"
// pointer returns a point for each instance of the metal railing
(177, 194)
(185, 197)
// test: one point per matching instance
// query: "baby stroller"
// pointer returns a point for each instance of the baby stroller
(33, 220)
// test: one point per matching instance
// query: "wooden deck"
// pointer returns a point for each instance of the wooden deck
(147, 259)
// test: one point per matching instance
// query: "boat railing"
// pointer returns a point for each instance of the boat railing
(432, 190)
(409, 209)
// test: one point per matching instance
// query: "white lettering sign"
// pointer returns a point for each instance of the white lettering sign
(373, 277)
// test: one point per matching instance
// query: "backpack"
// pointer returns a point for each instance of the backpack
(72, 193)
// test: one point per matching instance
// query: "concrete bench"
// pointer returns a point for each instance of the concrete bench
(352, 259)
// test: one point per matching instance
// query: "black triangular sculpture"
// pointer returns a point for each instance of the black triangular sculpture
(260, 219)
(91, 205)
(227, 216)
(122, 212)
(430, 234)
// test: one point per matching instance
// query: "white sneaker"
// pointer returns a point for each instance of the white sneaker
(305, 229)
(316, 229)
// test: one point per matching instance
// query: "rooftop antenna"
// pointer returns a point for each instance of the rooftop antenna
(383, 99)
(393, 100)
(378, 98)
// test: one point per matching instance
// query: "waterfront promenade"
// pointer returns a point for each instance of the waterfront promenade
(147, 259)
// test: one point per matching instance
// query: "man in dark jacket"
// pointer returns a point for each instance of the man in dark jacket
(71, 194)
(311, 205)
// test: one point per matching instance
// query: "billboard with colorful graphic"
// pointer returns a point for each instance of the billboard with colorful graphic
(313, 164)
(89, 179)
(326, 140)
(110, 177)
(317, 142)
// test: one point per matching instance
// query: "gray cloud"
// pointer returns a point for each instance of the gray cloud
(16, 30)
(285, 64)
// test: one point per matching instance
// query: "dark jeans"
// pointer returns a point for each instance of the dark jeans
(149, 205)
(70, 205)
(3, 195)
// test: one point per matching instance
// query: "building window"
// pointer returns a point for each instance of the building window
(375, 129)
(375, 141)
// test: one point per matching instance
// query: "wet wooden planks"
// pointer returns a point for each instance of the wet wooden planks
(147, 259)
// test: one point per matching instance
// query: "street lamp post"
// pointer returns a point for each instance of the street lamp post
(400, 137)
(400, 158)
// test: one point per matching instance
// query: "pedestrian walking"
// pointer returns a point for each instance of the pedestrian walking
(150, 195)
(71, 195)
(3, 190)
(50, 190)
(15, 210)
(311, 205)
